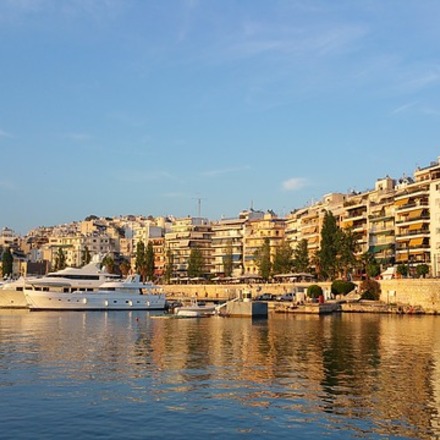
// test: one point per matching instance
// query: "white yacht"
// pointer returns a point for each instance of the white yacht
(128, 294)
(86, 278)
(11, 294)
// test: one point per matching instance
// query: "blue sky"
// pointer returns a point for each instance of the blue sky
(113, 107)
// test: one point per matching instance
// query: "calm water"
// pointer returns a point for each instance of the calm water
(129, 375)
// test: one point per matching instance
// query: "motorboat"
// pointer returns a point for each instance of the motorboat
(128, 294)
(195, 310)
(86, 278)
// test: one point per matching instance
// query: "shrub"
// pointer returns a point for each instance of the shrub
(402, 269)
(422, 270)
(314, 291)
(370, 289)
(342, 287)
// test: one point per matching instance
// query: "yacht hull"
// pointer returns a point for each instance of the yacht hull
(92, 301)
(12, 299)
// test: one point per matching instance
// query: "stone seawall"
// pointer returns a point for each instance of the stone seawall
(423, 293)
(229, 291)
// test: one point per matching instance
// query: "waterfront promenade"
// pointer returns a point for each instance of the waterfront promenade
(420, 294)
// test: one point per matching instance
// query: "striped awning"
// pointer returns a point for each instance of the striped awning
(401, 202)
(415, 226)
(415, 242)
(415, 214)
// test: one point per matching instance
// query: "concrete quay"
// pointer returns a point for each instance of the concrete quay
(397, 296)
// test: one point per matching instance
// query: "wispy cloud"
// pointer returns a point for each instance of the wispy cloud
(133, 176)
(220, 172)
(78, 137)
(175, 195)
(294, 184)
(7, 185)
(403, 108)
(5, 134)
(422, 80)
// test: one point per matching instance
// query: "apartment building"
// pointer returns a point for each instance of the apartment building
(381, 221)
(186, 234)
(227, 236)
(255, 233)
(306, 223)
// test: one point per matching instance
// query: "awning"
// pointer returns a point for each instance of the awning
(347, 223)
(379, 248)
(310, 229)
(401, 202)
(415, 242)
(313, 239)
(415, 214)
(401, 257)
(415, 226)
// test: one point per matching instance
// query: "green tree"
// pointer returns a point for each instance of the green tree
(140, 263)
(282, 261)
(7, 262)
(327, 254)
(228, 260)
(85, 256)
(314, 291)
(195, 263)
(301, 261)
(109, 263)
(346, 249)
(422, 270)
(60, 260)
(125, 268)
(370, 289)
(169, 266)
(402, 270)
(149, 261)
(262, 260)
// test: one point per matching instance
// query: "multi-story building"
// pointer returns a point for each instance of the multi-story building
(306, 223)
(381, 222)
(186, 234)
(227, 237)
(256, 232)
(417, 205)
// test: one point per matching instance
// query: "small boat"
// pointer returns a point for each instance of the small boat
(128, 294)
(195, 310)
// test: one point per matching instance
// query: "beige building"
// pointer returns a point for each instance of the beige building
(227, 236)
(256, 232)
(186, 234)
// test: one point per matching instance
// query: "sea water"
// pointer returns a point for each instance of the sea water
(136, 375)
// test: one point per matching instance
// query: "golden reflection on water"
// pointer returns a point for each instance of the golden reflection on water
(384, 369)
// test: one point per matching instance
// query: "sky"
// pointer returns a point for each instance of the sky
(181, 107)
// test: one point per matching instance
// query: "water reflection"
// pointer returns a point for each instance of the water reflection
(360, 375)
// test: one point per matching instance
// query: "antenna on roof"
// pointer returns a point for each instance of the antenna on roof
(199, 205)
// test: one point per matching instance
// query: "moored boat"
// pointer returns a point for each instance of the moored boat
(195, 310)
(128, 294)
(87, 278)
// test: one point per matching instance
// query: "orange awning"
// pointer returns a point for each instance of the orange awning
(401, 202)
(415, 214)
(415, 226)
(415, 242)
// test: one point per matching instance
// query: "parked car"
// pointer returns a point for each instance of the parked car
(265, 297)
(286, 297)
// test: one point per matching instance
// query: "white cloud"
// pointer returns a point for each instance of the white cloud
(403, 108)
(294, 184)
(214, 173)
